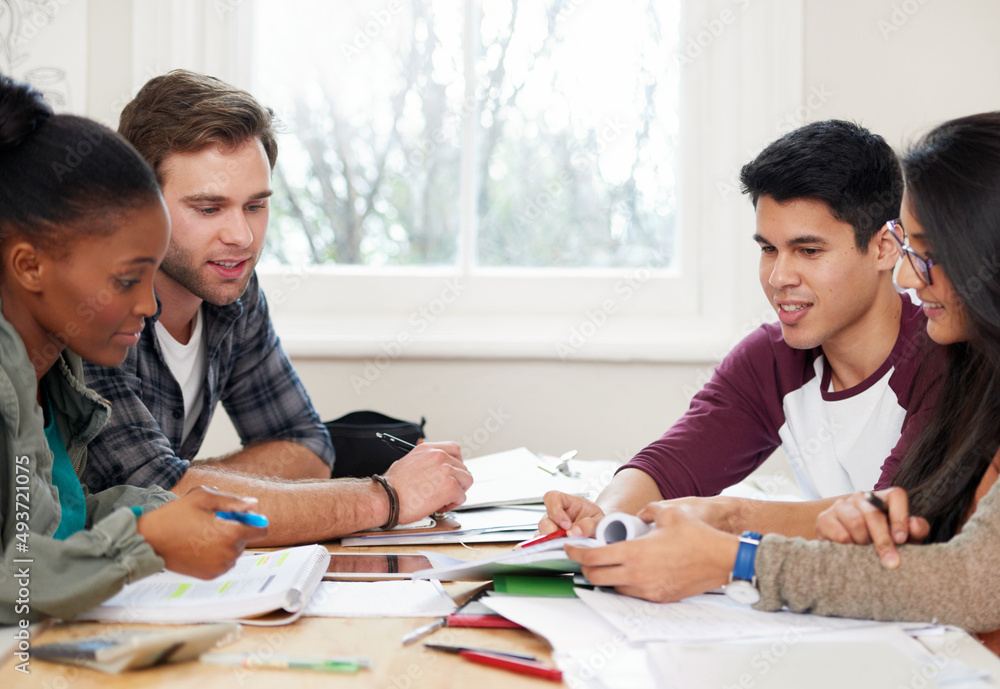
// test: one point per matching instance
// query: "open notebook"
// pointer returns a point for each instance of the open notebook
(259, 583)
(517, 477)
(547, 557)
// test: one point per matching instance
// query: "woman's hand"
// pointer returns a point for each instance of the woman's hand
(192, 540)
(854, 519)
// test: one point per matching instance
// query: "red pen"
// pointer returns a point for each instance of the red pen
(524, 667)
(558, 533)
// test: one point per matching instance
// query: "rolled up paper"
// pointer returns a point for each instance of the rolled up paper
(619, 526)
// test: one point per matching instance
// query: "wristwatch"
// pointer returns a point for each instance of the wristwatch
(742, 586)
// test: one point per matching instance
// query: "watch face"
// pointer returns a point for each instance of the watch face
(742, 591)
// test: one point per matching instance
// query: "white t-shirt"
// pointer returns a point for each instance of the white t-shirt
(187, 364)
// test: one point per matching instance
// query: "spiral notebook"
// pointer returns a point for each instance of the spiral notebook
(260, 583)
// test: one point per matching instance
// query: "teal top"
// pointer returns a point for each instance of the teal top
(64, 478)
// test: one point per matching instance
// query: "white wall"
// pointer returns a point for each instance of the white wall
(901, 66)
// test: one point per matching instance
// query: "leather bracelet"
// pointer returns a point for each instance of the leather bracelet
(393, 502)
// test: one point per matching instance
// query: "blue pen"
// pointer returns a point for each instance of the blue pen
(248, 518)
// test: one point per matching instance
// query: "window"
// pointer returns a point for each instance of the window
(570, 109)
(491, 178)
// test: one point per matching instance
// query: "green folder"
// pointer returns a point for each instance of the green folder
(519, 585)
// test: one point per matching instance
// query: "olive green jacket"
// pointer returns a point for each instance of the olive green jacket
(40, 576)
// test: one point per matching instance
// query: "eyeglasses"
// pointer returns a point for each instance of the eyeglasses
(921, 266)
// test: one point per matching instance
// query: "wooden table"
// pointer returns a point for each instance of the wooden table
(395, 666)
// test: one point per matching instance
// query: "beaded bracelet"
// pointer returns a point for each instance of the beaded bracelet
(393, 502)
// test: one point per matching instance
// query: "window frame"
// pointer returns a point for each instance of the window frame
(739, 57)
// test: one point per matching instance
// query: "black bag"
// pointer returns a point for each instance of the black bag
(358, 452)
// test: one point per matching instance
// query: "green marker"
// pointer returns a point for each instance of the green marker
(285, 662)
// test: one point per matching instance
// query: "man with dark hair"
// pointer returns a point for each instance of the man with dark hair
(841, 381)
(212, 148)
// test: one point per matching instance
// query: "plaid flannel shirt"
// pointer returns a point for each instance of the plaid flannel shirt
(247, 370)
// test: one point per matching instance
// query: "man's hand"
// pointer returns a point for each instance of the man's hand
(577, 515)
(431, 478)
(192, 540)
(682, 556)
(853, 519)
(717, 511)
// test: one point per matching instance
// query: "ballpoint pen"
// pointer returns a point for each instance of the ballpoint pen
(446, 648)
(248, 518)
(421, 632)
(876, 502)
(280, 661)
(395, 442)
(558, 533)
(524, 667)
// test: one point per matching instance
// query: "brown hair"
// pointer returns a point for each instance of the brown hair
(184, 112)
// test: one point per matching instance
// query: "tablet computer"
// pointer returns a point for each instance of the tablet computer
(374, 566)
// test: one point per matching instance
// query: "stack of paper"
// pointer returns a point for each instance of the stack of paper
(604, 639)
(491, 525)
(504, 503)
(518, 477)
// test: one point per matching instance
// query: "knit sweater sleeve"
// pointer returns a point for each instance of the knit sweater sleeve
(945, 583)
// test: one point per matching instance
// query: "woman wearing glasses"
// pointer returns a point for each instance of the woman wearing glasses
(939, 481)
(950, 234)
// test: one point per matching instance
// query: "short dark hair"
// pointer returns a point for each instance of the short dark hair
(63, 176)
(185, 112)
(854, 172)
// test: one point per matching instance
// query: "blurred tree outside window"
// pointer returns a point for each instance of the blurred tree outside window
(575, 131)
